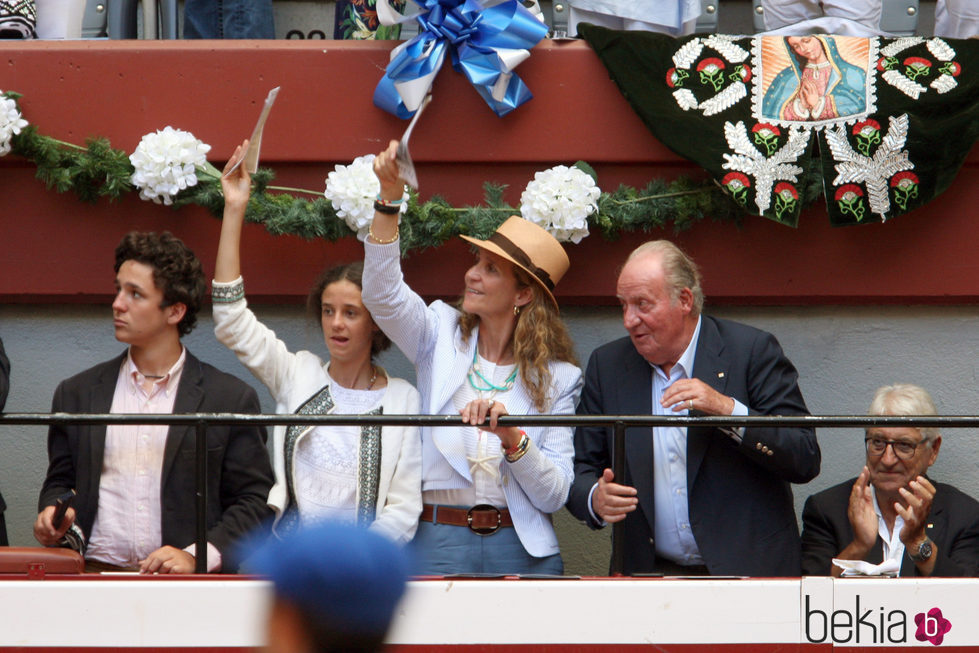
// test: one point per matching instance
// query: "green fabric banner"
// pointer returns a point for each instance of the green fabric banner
(879, 126)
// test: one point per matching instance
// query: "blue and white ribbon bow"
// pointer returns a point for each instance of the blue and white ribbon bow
(486, 44)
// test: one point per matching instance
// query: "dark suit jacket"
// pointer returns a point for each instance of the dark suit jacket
(4, 386)
(953, 525)
(741, 508)
(238, 469)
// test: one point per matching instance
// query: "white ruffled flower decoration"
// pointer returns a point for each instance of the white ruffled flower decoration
(560, 200)
(11, 123)
(352, 190)
(166, 163)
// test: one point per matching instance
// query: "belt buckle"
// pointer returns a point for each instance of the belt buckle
(485, 530)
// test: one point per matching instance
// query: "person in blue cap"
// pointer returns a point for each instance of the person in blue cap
(336, 588)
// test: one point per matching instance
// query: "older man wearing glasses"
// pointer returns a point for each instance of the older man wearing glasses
(892, 511)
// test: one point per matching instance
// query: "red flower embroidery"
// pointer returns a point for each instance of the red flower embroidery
(904, 179)
(766, 130)
(736, 180)
(848, 193)
(953, 68)
(675, 77)
(711, 65)
(917, 62)
(866, 127)
(786, 191)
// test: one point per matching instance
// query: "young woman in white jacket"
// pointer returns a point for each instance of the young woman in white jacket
(365, 475)
(488, 491)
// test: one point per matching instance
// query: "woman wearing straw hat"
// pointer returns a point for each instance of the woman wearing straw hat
(488, 492)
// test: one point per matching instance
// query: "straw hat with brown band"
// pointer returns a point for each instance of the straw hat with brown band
(531, 248)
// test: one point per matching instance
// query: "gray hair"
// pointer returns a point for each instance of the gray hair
(680, 270)
(905, 399)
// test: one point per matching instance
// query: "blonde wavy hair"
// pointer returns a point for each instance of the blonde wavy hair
(539, 337)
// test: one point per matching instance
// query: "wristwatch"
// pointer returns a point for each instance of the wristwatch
(922, 552)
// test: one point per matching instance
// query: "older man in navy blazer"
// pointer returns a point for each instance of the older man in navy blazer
(893, 511)
(701, 500)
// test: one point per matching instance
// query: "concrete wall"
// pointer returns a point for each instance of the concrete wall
(843, 354)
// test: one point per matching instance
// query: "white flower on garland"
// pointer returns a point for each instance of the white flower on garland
(11, 123)
(352, 190)
(166, 163)
(560, 199)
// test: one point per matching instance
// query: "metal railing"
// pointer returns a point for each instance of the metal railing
(619, 424)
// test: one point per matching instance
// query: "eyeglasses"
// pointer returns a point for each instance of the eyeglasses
(902, 449)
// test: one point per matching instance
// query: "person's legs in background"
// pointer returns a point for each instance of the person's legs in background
(228, 19)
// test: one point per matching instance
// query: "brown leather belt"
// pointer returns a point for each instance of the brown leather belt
(483, 519)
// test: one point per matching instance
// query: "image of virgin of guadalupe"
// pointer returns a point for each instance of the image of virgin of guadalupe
(813, 81)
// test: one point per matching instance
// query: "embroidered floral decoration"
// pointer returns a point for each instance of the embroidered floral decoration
(786, 198)
(742, 73)
(915, 67)
(711, 72)
(766, 135)
(953, 68)
(850, 200)
(738, 185)
(675, 77)
(904, 185)
(868, 134)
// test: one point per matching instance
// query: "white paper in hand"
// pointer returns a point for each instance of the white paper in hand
(255, 143)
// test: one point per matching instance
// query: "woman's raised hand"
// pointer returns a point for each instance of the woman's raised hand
(386, 169)
(236, 184)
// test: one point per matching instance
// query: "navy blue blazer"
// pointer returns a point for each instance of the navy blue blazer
(741, 508)
(953, 525)
(239, 473)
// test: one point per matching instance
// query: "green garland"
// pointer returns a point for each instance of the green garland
(97, 170)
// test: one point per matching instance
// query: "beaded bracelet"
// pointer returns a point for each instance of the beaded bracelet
(228, 294)
(370, 232)
(397, 202)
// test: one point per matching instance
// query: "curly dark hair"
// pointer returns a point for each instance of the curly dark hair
(354, 273)
(177, 272)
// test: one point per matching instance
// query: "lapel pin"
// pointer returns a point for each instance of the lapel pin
(720, 375)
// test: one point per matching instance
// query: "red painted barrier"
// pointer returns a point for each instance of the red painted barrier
(55, 248)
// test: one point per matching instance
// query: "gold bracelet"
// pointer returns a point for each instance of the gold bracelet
(370, 232)
(521, 449)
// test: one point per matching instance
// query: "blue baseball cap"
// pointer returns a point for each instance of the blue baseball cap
(348, 576)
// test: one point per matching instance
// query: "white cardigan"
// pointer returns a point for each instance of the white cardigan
(294, 378)
(535, 485)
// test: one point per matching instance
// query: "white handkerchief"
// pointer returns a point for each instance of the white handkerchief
(889, 567)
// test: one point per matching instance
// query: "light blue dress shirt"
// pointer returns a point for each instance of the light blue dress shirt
(673, 536)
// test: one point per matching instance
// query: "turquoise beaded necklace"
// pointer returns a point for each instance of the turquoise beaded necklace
(488, 386)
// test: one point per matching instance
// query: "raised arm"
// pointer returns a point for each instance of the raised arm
(385, 226)
(236, 187)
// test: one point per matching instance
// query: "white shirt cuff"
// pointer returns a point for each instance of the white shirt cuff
(213, 557)
(737, 432)
(598, 520)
